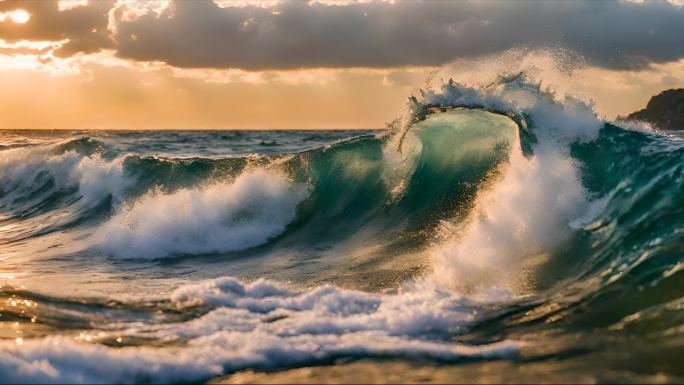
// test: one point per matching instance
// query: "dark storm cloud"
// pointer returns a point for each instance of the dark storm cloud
(296, 34)
(613, 34)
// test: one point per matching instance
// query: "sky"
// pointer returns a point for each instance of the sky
(321, 64)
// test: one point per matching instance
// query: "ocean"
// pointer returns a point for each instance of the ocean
(496, 234)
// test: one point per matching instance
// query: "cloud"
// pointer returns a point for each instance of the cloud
(64, 5)
(83, 25)
(276, 34)
(613, 34)
(17, 16)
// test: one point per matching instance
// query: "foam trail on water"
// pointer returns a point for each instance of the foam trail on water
(259, 325)
(220, 217)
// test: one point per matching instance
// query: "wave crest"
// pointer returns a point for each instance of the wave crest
(216, 218)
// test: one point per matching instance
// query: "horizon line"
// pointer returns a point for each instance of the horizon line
(192, 129)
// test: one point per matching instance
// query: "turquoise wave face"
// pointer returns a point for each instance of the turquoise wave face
(480, 243)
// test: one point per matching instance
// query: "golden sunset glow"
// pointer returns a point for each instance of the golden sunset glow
(18, 16)
(87, 77)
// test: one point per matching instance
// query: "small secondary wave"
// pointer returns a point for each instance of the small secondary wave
(217, 218)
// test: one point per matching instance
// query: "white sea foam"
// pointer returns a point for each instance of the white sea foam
(23, 170)
(98, 179)
(220, 217)
(528, 210)
(328, 309)
(523, 214)
(261, 326)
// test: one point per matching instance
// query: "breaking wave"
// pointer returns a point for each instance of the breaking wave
(514, 210)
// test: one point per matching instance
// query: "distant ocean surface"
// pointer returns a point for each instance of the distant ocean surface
(498, 235)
